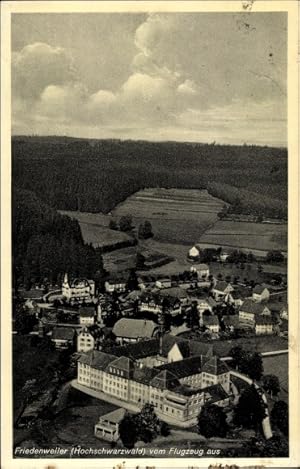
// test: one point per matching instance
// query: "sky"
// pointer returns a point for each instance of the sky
(201, 77)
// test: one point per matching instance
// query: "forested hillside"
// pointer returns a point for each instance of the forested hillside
(47, 244)
(93, 176)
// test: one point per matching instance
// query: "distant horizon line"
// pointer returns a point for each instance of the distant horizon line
(191, 142)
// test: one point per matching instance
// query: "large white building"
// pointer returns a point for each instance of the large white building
(177, 387)
(78, 291)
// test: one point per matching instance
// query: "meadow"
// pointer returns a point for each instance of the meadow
(177, 216)
(95, 231)
(256, 236)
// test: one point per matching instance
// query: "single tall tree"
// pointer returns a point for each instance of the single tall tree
(250, 409)
(212, 421)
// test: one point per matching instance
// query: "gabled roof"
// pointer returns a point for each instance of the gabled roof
(87, 312)
(115, 416)
(175, 292)
(250, 306)
(184, 348)
(123, 363)
(146, 348)
(215, 366)
(165, 380)
(63, 333)
(231, 320)
(134, 328)
(96, 359)
(259, 289)
(144, 374)
(187, 367)
(221, 286)
(202, 267)
(211, 320)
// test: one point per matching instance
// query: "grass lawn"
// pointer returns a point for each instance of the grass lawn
(259, 343)
(278, 366)
(259, 236)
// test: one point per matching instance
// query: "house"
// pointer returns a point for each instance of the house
(205, 304)
(260, 293)
(221, 289)
(155, 302)
(63, 337)
(151, 302)
(87, 316)
(116, 284)
(163, 283)
(231, 322)
(250, 309)
(194, 254)
(133, 330)
(223, 256)
(78, 291)
(264, 325)
(107, 427)
(202, 270)
(177, 389)
(85, 340)
(177, 293)
(234, 298)
(211, 323)
(283, 313)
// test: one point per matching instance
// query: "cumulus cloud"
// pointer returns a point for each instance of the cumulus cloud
(39, 65)
(176, 81)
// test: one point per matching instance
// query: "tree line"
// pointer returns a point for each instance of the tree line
(96, 176)
(47, 244)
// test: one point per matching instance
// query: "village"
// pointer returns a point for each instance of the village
(163, 341)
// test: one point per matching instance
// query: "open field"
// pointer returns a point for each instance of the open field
(176, 215)
(278, 366)
(94, 229)
(254, 236)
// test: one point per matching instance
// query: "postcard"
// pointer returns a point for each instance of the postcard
(149, 227)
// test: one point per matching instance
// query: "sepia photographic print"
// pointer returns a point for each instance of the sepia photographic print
(149, 234)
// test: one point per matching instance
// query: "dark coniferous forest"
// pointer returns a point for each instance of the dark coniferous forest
(51, 173)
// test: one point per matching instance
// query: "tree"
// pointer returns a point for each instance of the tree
(113, 225)
(125, 223)
(280, 416)
(128, 431)
(148, 424)
(274, 257)
(192, 317)
(212, 421)
(145, 230)
(24, 321)
(250, 409)
(132, 282)
(252, 365)
(238, 355)
(271, 384)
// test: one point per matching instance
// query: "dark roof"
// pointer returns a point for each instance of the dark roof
(123, 363)
(215, 366)
(115, 416)
(259, 289)
(175, 292)
(221, 286)
(211, 320)
(96, 359)
(187, 367)
(165, 380)
(144, 374)
(146, 348)
(216, 392)
(134, 328)
(63, 333)
(231, 320)
(250, 306)
(87, 311)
